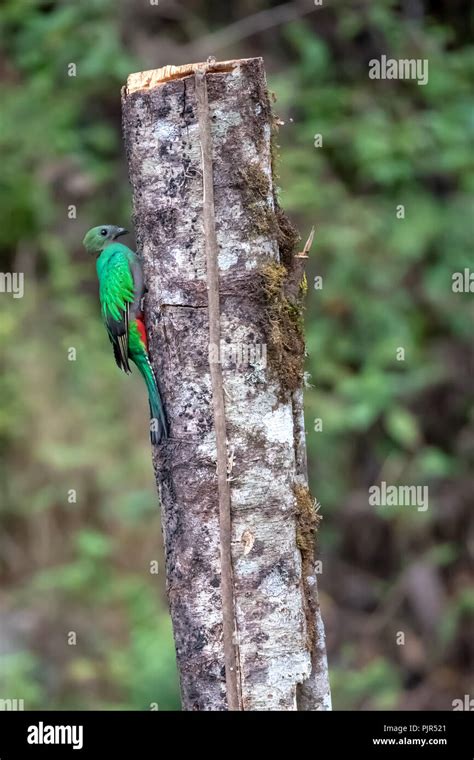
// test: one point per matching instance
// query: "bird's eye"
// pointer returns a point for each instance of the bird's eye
(103, 231)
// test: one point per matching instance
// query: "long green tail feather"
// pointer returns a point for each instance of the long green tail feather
(158, 426)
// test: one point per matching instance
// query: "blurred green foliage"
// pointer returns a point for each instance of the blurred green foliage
(69, 561)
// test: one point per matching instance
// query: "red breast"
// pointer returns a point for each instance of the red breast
(141, 329)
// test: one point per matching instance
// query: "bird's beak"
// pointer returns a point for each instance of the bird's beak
(121, 231)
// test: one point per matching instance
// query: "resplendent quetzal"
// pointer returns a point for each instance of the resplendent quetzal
(121, 288)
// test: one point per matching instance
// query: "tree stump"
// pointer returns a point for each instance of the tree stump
(278, 641)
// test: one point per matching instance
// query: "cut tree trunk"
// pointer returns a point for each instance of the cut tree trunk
(279, 638)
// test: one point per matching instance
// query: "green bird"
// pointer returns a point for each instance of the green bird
(121, 289)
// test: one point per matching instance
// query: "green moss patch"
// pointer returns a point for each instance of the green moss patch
(284, 330)
(307, 521)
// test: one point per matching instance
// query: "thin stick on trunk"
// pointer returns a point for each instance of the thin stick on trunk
(227, 592)
(247, 417)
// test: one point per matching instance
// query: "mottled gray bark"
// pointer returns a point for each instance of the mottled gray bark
(279, 637)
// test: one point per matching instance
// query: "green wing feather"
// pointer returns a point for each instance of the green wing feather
(116, 291)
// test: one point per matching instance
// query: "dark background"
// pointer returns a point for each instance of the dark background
(83, 566)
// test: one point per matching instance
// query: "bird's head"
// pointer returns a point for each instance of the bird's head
(99, 237)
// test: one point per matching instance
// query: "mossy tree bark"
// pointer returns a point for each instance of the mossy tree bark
(279, 638)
